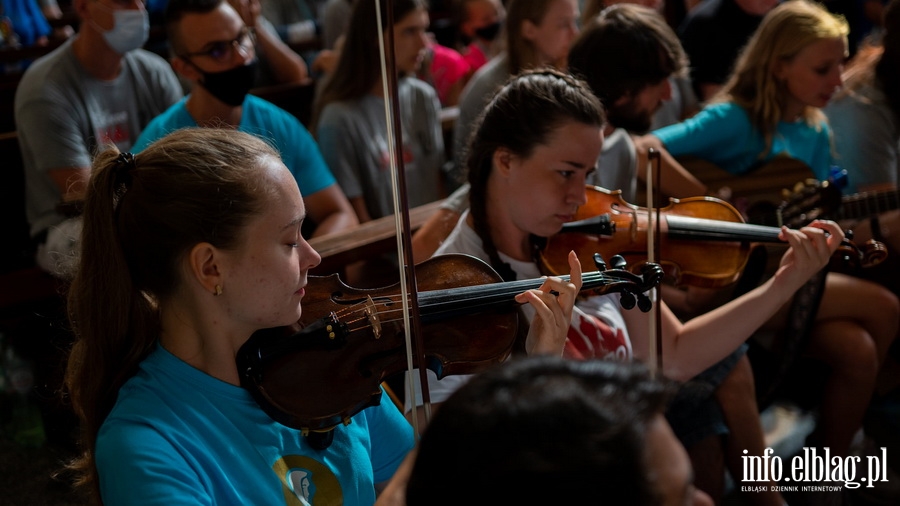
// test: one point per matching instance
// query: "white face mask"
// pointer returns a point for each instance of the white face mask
(130, 31)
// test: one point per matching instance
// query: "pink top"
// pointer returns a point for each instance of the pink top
(474, 54)
(447, 67)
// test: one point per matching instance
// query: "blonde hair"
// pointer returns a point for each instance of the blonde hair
(785, 31)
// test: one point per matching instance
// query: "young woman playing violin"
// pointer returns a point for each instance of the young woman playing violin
(788, 71)
(190, 247)
(538, 139)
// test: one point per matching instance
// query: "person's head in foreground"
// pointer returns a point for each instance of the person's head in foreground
(547, 430)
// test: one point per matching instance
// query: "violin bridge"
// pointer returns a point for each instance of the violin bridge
(372, 315)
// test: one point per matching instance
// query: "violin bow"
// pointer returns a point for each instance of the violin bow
(654, 344)
(408, 287)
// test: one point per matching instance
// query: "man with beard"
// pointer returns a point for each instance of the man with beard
(627, 55)
(214, 50)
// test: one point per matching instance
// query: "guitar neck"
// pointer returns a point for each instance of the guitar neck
(863, 205)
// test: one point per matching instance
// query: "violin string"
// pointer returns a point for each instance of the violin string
(497, 289)
(386, 307)
(506, 289)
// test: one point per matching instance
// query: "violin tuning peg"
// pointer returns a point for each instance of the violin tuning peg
(644, 303)
(618, 262)
(627, 300)
(599, 262)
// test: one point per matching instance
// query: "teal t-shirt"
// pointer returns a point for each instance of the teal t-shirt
(291, 139)
(722, 134)
(179, 436)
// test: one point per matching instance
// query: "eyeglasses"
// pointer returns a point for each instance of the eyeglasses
(223, 50)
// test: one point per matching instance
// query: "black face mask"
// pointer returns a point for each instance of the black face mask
(488, 32)
(231, 86)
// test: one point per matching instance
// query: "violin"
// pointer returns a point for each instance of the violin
(319, 373)
(704, 240)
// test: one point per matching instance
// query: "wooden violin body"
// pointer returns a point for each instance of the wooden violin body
(703, 242)
(330, 366)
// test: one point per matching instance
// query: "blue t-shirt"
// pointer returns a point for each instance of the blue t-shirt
(179, 436)
(291, 139)
(27, 20)
(722, 134)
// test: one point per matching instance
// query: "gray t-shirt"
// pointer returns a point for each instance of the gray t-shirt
(352, 136)
(615, 169)
(867, 138)
(334, 20)
(286, 12)
(64, 115)
(477, 92)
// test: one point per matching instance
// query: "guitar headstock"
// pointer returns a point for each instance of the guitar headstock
(810, 200)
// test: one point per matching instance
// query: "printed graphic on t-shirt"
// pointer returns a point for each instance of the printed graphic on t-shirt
(592, 338)
(386, 158)
(113, 128)
(307, 481)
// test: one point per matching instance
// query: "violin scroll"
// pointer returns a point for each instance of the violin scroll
(850, 258)
(632, 287)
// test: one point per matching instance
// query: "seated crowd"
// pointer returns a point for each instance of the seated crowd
(201, 199)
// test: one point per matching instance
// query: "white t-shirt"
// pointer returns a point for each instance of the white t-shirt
(597, 329)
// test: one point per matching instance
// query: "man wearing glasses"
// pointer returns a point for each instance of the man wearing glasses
(98, 88)
(213, 49)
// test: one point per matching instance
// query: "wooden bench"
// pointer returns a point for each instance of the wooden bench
(369, 240)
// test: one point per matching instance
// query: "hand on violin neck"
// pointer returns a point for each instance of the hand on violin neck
(553, 303)
(811, 248)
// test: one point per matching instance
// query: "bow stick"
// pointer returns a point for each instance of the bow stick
(408, 288)
(654, 352)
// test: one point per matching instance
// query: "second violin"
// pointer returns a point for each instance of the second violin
(704, 240)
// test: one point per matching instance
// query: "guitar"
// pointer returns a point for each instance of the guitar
(823, 198)
(758, 193)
